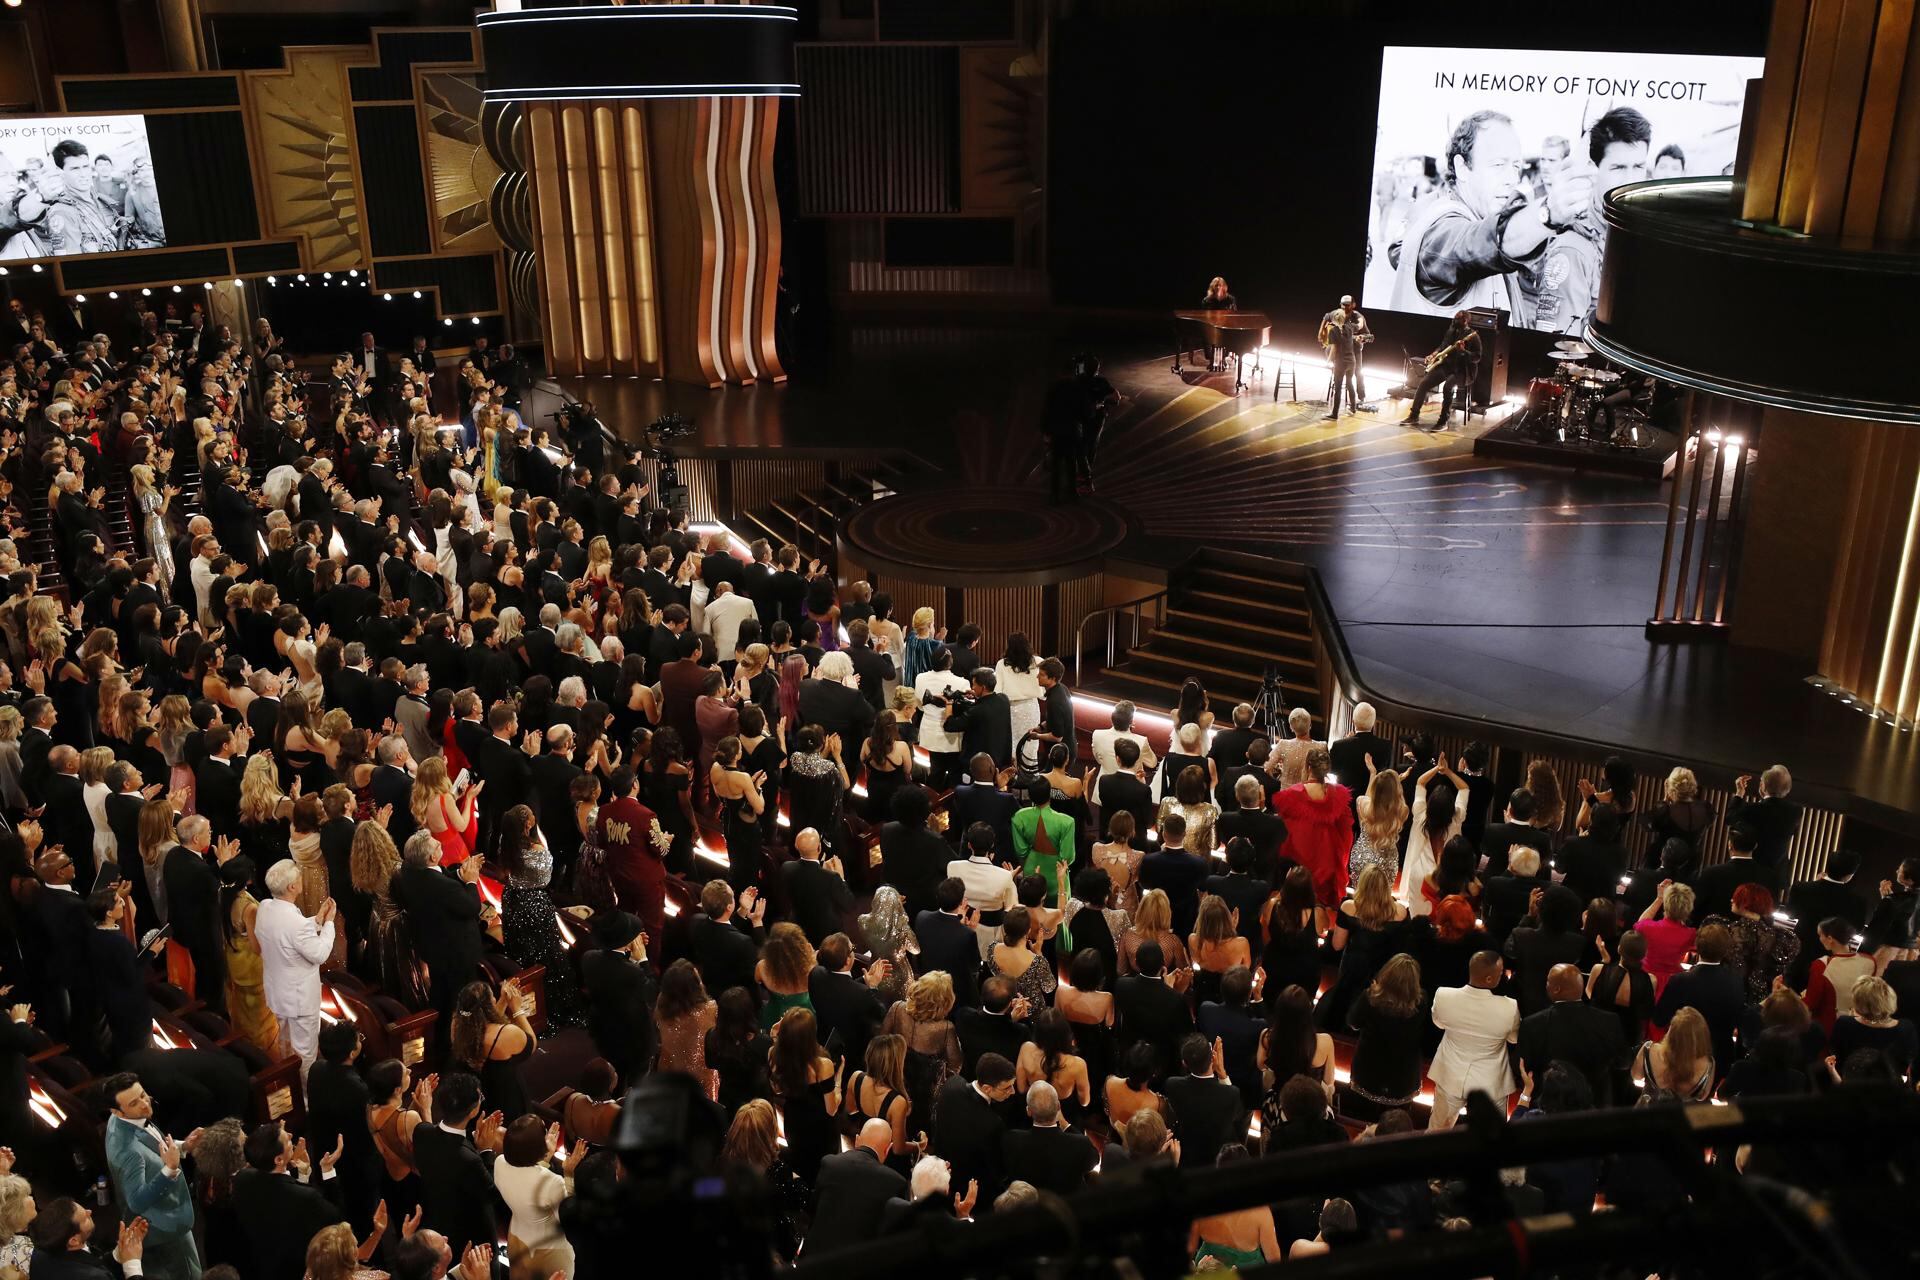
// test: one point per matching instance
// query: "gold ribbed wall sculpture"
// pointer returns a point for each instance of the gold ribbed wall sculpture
(658, 236)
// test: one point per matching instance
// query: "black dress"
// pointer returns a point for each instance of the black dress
(1387, 1060)
(766, 759)
(740, 827)
(500, 1080)
(532, 935)
(1366, 950)
(811, 1135)
(1291, 958)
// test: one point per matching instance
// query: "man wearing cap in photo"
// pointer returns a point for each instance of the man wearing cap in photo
(1344, 333)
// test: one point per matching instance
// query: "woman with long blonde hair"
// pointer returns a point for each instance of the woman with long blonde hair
(1153, 922)
(436, 809)
(1681, 1064)
(389, 955)
(1364, 933)
(1383, 812)
(174, 720)
(333, 1254)
(94, 763)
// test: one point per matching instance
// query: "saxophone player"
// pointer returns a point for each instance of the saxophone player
(1451, 364)
(1344, 333)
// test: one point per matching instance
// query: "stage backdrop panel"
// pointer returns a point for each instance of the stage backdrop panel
(1475, 148)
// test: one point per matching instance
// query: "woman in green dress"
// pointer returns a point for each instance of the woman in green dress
(786, 962)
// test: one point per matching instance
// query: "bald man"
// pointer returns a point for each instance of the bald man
(1591, 1040)
(853, 1187)
(1478, 1027)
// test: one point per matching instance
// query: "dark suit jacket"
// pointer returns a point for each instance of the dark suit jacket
(620, 994)
(725, 954)
(71, 1264)
(1266, 831)
(1151, 1011)
(947, 944)
(552, 775)
(1502, 836)
(444, 914)
(848, 1194)
(1717, 993)
(217, 793)
(1812, 901)
(788, 591)
(1774, 819)
(914, 861)
(34, 746)
(279, 1215)
(1576, 1033)
(817, 898)
(1244, 894)
(337, 1102)
(837, 709)
(508, 772)
(1124, 793)
(193, 903)
(986, 725)
(1056, 1160)
(67, 822)
(1179, 874)
(968, 1134)
(1713, 891)
(1592, 868)
(1208, 1113)
(983, 802)
(394, 786)
(848, 1013)
(873, 669)
(123, 819)
(1503, 901)
(456, 1187)
(982, 1033)
(1348, 758)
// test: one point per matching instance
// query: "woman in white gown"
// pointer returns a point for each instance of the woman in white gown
(1438, 814)
(1017, 675)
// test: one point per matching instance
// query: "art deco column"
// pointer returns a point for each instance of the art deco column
(1798, 281)
(649, 133)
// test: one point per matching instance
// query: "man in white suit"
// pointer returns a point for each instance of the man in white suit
(293, 946)
(1472, 1056)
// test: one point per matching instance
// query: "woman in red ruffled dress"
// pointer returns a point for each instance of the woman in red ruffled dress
(1319, 818)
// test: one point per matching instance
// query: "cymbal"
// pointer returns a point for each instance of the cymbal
(1570, 348)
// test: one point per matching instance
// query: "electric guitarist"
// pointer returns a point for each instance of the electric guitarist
(1452, 365)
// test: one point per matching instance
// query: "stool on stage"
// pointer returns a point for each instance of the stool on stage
(1286, 372)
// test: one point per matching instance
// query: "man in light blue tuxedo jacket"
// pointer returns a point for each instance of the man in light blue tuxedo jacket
(146, 1173)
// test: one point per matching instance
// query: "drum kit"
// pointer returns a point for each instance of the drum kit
(1562, 407)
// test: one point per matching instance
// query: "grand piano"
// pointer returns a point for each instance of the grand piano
(1239, 333)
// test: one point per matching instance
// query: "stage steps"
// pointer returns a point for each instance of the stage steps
(1228, 618)
(809, 518)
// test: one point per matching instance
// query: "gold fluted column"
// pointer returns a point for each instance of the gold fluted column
(1832, 557)
(180, 32)
(657, 231)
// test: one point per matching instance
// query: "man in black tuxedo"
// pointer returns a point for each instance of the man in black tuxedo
(1255, 823)
(61, 1233)
(504, 763)
(217, 780)
(36, 744)
(456, 1169)
(337, 1102)
(826, 700)
(788, 590)
(1570, 1030)
(947, 942)
(1172, 869)
(1506, 900)
(724, 939)
(984, 720)
(1712, 988)
(553, 773)
(1207, 1109)
(816, 891)
(872, 667)
(144, 590)
(968, 1132)
(353, 688)
(990, 1028)
(1150, 1012)
(236, 517)
(281, 1201)
(193, 906)
(492, 670)
(1050, 1154)
(1762, 805)
(1593, 864)
(981, 799)
(1240, 890)
(1347, 757)
(851, 1189)
(1228, 750)
(1811, 901)
(392, 784)
(756, 581)
(263, 713)
(913, 859)
(347, 606)
(1713, 891)
(66, 820)
(1127, 791)
(1516, 828)
(445, 914)
(847, 1010)
(123, 806)
(620, 993)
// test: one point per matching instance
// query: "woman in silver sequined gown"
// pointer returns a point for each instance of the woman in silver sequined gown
(528, 925)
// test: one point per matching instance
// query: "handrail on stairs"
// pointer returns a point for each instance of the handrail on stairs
(1133, 609)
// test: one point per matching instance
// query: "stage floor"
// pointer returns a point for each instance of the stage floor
(1474, 586)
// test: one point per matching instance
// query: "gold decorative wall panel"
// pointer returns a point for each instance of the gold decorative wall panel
(299, 116)
(460, 172)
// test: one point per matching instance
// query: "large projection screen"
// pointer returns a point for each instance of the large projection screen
(1489, 165)
(76, 184)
